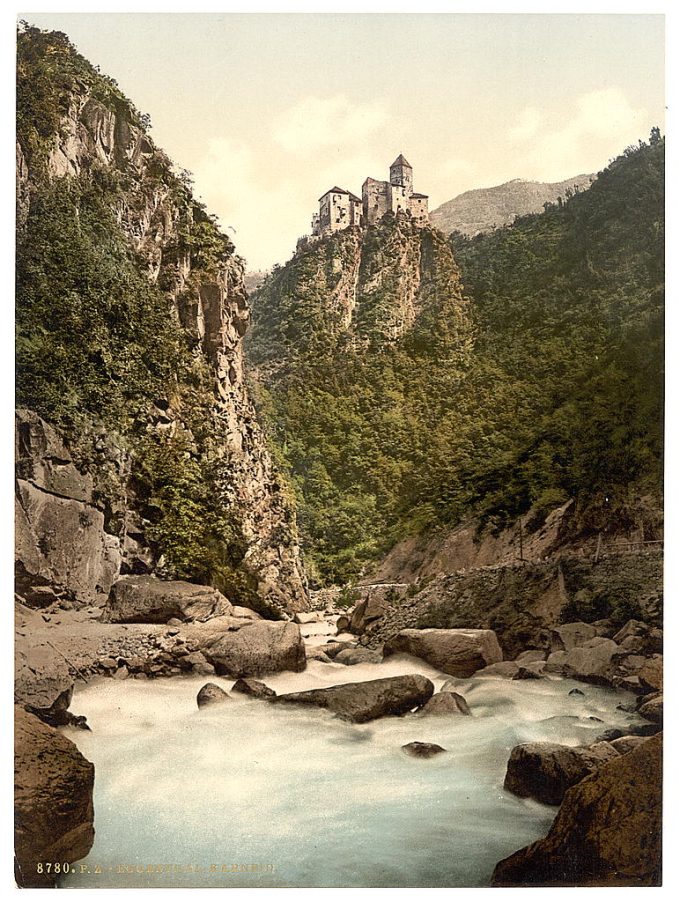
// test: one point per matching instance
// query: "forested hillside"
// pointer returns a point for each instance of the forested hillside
(539, 381)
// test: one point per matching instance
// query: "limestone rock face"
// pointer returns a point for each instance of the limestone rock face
(145, 599)
(361, 702)
(61, 545)
(257, 648)
(606, 833)
(210, 303)
(457, 652)
(53, 786)
(546, 770)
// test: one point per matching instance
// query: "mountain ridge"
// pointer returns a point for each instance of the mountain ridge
(483, 209)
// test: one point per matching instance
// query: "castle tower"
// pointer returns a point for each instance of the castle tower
(401, 175)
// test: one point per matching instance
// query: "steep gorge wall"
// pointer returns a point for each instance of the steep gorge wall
(169, 235)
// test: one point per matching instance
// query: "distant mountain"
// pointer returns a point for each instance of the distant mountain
(253, 279)
(485, 209)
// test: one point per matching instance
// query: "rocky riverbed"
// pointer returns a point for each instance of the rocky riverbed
(340, 765)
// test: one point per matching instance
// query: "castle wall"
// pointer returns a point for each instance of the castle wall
(376, 199)
(418, 208)
(334, 212)
(398, 199)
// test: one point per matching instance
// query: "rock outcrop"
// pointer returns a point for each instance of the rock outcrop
(145, 599)
(458, 652)
(606, 833)
(53, 786)
(61, 546)
(361, 702)
(546, 770)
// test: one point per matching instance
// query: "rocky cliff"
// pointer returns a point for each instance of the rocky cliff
(358, 346)
(165, 455)
(484, 209)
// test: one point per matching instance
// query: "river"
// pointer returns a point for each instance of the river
(251, 794)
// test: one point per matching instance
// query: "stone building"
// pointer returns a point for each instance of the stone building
(394, 196)
(340, 209)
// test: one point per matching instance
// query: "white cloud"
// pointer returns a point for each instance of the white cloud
(318, 122)
(598, 125)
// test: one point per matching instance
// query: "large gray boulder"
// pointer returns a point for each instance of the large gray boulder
(53, 807)
(361, 702)
(146, 599)
(592, 661)
(258, 648)
(458, 652)
(545, 770)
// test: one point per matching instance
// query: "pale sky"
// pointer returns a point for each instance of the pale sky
(269, 111)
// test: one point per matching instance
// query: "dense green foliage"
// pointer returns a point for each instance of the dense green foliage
(570, 311)
(561, 397)
(354, 408)
(100, 352)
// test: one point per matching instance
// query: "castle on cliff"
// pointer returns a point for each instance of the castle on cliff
(340, 209)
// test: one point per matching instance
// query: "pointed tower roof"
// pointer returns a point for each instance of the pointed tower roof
(401, 161)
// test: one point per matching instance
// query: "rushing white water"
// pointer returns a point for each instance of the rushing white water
(198, 798)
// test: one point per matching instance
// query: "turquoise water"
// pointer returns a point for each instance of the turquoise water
(251, 795)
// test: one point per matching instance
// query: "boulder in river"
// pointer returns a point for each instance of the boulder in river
(350, 656)
(533, 670)
(545, 770)
(264, 646)
(652, 708)
(146, 599)
(446, 703)
(361, 702)
(211, 694)
(422, 749)
(253, 688)
(592, 661)
(53, 786)
(606, 833)
(458, 652)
